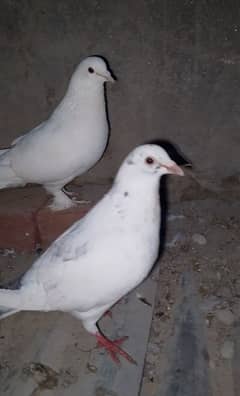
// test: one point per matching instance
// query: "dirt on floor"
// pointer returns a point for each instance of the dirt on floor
(203, 240)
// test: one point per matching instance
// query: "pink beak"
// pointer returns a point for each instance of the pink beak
(174, 169)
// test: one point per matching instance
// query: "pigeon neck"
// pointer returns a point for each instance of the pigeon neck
(78, 100)
(84, 88)
(136, 182)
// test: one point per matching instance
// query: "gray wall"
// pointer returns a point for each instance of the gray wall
(177, 63)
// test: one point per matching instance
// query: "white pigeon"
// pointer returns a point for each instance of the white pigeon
(105, 254)
(66, 145)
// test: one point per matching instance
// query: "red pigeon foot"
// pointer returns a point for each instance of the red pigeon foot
(112, 347)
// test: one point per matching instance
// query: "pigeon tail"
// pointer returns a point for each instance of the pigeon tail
(9, 300)
(4, 314)
(8, 178)
(3, 151)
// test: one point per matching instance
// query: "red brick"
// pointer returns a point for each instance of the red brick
(17, 227)
(17, 232)
(26, 222)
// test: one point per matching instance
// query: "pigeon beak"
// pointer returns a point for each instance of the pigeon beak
(111, 78)
(107, 77)
(174, 169)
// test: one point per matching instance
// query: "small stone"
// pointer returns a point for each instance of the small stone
(179, 238)
(209, 319)
(203, 290)
(227, 350)
(225, 316)
(199, 238)
(91, 368)
(212, 364)
(219, 276)
(157, 326)
(153, 348)
(7, 252)
(151, 358)
(151, 375)
(196, 267)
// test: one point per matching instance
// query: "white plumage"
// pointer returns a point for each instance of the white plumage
(106, 254)
(66, 145)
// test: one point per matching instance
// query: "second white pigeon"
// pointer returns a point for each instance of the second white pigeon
(103, 256)
(66, 145)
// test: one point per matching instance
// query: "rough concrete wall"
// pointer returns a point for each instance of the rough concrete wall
(177, 64)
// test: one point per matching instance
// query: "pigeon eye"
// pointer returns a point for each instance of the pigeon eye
(90, 70)
(149, 160)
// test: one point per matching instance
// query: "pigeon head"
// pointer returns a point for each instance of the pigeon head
(153, 160)
(94, 69)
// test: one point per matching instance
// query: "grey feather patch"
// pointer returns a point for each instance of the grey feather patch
(82, 250)
(76, 253)
(51, 286)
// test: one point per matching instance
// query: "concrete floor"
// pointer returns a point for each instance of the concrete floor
(194, 343)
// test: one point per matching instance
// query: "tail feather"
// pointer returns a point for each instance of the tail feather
(13, 286)
(4, 314)
(9, 300)
(8, 177)
(2, 151)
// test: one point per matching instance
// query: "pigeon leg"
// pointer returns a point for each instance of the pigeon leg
(112, 347)
(60, 200)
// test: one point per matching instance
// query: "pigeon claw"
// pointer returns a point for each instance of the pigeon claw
(112, 347)
(74, 197)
